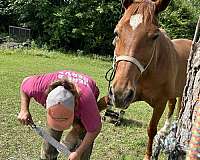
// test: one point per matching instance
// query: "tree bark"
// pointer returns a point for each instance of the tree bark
(190, 100)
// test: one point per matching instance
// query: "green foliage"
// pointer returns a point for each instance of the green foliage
(72, 25)
(180, 19)
(34, 14)
(7, 16)
(86, 25)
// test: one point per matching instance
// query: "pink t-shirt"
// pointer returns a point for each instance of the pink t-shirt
(87, 110)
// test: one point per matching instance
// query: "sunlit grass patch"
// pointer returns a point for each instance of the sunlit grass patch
(125, 142)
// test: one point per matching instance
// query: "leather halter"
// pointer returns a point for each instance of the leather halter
(125, 58)
(131, 60)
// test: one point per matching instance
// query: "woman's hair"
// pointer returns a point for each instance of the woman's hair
(67, 85)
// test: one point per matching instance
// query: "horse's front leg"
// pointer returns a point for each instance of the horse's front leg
(165, 129)
(152, 129)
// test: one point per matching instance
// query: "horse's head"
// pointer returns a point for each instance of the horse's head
(135, 44)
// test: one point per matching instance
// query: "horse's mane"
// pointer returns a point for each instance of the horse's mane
(145, 8)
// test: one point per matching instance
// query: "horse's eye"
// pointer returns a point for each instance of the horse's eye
(116, 33)
(116, 37)
(155, 36)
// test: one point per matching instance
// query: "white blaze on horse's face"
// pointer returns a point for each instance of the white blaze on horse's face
(135, 20)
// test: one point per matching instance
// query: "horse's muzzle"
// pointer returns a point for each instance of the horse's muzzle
(122, 99)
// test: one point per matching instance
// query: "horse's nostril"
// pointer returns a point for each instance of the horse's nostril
(130, 94)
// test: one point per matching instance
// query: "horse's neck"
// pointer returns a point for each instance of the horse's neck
(165, 54)
(163, 67)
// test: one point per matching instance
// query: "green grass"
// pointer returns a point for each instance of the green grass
(17, 142)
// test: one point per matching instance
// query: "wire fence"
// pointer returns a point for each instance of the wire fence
(19, 34)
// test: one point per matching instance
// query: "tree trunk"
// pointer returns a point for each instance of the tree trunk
(190, 98)
(190, 101)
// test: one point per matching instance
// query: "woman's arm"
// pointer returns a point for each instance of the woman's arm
(90, 119)
(24, 116)
(87, 141)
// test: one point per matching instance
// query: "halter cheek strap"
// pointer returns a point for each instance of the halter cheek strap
(127, 59)
(131, 60)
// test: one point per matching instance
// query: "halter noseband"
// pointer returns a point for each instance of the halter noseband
(127, 59)
(131, 60)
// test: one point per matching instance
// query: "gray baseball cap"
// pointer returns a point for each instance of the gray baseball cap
(60, 95)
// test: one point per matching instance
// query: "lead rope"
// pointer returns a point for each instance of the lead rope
(112, 75)
(113, 68)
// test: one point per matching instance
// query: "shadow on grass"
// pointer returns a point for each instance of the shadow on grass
(126, 122)
(131, 122)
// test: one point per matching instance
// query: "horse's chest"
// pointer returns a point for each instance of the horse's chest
(150, 93)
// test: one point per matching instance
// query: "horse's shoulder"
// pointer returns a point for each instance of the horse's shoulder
(182, 46)
(182, 41)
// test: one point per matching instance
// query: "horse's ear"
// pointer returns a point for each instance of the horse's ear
(126, 3)
(161, 5)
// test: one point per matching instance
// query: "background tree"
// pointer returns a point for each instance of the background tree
(7, 16)
(179, 19)
(190, 100)
(87, 25)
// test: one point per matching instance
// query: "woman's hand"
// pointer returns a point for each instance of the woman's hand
(74, 156)
(25, 117)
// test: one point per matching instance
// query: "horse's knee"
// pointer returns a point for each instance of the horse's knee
(171, 105)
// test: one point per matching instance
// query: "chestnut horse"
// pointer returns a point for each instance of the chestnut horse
(148, 66)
